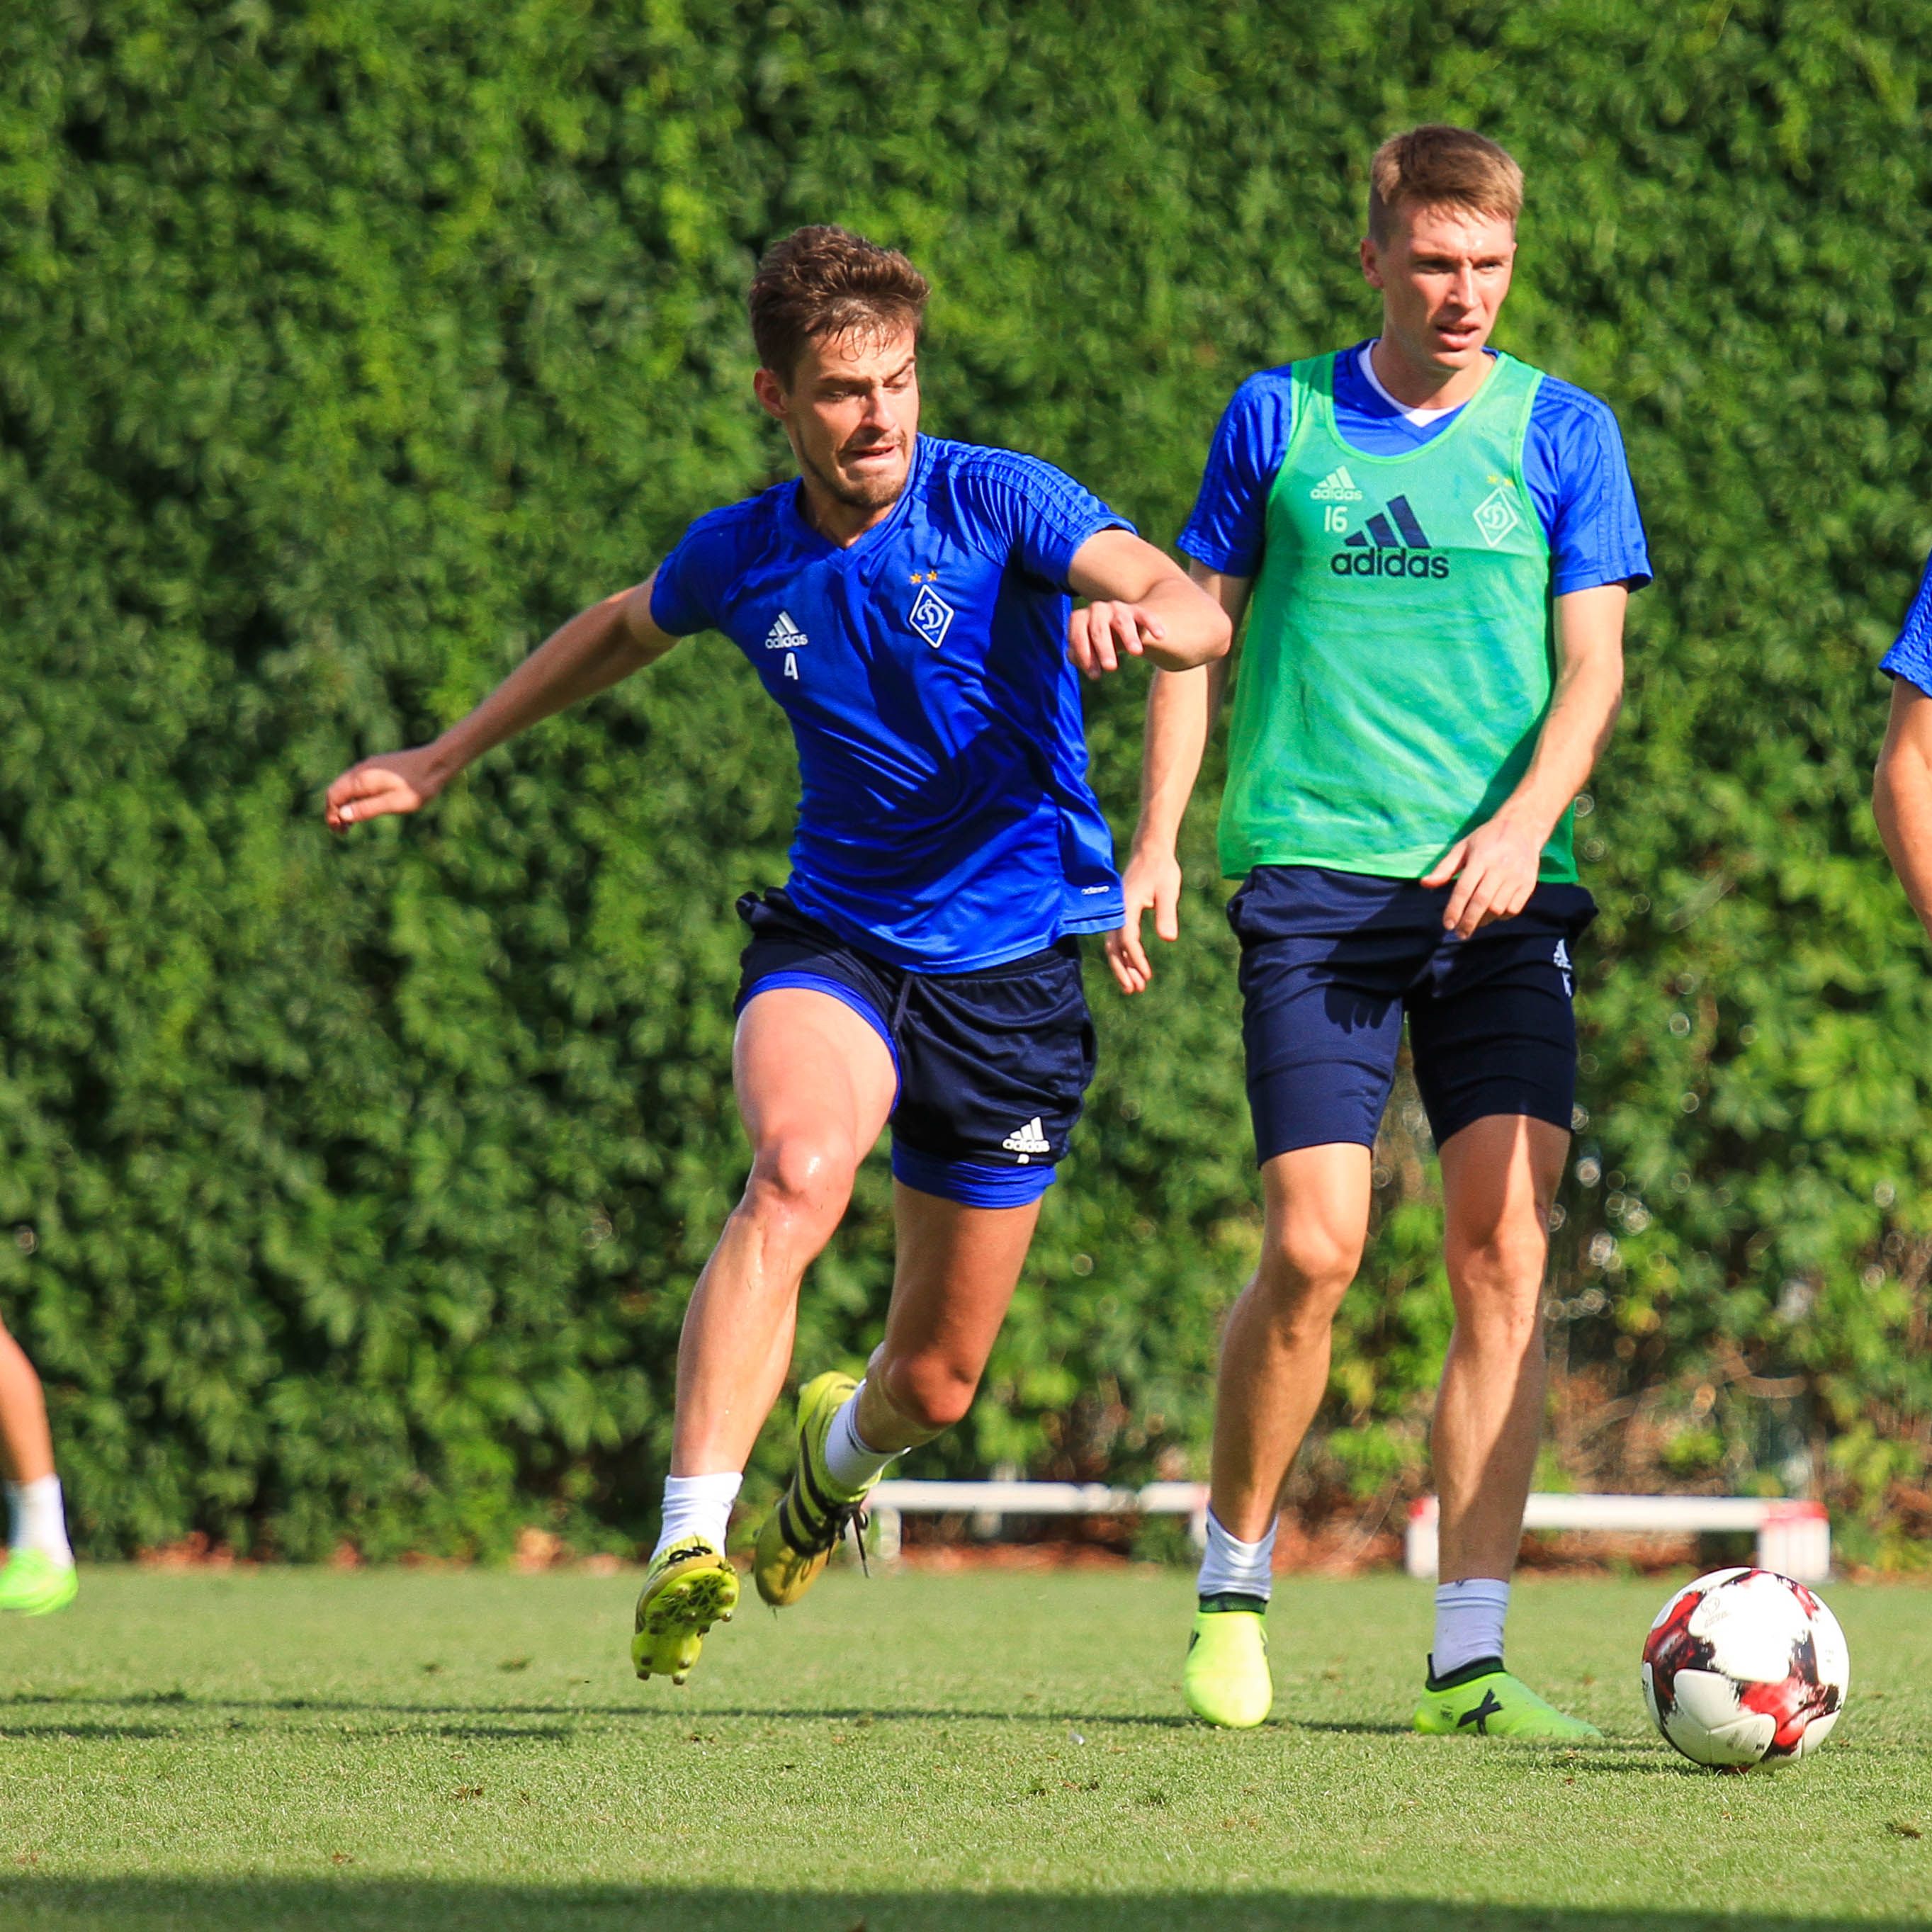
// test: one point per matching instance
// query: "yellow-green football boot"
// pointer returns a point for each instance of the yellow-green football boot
(797, 1539)
(688, 1588)
(33, 1583)
(1226, 1678)
(1483, 1700)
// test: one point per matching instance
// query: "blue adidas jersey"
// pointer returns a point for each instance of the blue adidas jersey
(1910, 656)
(1573, 460)
(945, 823)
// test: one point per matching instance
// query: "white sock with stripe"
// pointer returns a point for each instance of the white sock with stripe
(1469, 1623)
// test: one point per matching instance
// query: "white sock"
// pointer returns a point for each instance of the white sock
(36, 1521)
(851, 1462)
(698, 1506)
(1231, 1568)
(1468, 1622)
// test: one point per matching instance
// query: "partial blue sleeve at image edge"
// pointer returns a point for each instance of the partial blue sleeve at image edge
(1910, 657)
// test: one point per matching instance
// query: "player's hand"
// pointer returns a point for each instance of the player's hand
(1494, 868)
(1100, 633)
(399, 781)
(1152, 880)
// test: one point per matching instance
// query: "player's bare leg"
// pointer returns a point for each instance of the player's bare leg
(1273, 1373)
(815, 1083)
(38, 1575)
(1499, 1177)
(1275, 1348)
(952, 1284)
(953, 1281)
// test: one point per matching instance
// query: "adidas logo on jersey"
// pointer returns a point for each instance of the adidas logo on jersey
(785, 635)
(1377, 550)
(1027, 1141)
(1337, 487)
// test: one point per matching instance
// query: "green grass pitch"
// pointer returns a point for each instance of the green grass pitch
(917, 1753)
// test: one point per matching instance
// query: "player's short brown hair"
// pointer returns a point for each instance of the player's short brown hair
(826, 281)
(1436, 166)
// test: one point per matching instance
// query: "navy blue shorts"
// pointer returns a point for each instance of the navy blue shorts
(993, 1066)
(1331, 960)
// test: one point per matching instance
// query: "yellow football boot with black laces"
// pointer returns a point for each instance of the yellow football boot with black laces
(1483, 1700)
(689, 1586)
(797, 1539)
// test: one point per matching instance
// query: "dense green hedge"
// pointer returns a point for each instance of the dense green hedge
(345, 348)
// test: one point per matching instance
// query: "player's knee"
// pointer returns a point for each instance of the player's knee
(931, 1392)
(1499, 1290)
(800, 1178)
(1305, 1271)
(1503, 1265)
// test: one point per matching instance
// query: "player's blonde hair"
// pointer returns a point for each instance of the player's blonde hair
(1437, 166)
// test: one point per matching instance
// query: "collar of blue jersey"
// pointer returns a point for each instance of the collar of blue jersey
(866, 554)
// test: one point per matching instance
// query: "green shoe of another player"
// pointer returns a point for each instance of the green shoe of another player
(797, 1540)
(33, 1583)
(1483, 1700)
(688, 1588)
(1226, 1676)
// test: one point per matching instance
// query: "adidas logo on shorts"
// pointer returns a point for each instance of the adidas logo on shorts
(1027, 1141)
(1560, 959)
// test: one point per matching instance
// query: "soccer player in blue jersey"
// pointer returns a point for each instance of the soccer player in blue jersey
(905, 601)
(1433, 544)
(1902, 786)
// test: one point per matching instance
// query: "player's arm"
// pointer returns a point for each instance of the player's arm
(1142, 602)
(1182, 707)
(1902, 793)
(598, 648)
(1495, 866)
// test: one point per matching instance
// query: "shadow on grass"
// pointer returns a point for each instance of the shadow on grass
(345, 1904)
(657, 1712)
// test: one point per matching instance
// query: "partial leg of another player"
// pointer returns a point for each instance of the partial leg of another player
(39, 1574)
(1499, 1177)
(1274, 1372)
(815, 1082)
(956, 1269)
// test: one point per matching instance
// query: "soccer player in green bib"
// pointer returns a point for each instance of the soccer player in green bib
(1433, 543)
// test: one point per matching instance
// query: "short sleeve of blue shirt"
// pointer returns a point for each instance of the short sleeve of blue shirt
(1230, 516)
(1911, 657)
(1574, 465)
(1020, 507)
(685, 596)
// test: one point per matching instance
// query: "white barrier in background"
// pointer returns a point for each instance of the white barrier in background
(1793, 1538)
(891, 1502)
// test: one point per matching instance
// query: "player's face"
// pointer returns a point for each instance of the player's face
(851, 410)
(1443, 274)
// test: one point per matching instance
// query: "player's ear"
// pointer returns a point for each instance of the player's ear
(1371, 267)
(771, 395)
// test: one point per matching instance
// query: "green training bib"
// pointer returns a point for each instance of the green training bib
(1400, 653)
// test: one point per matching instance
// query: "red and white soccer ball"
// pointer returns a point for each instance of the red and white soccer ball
(1745, 1667)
